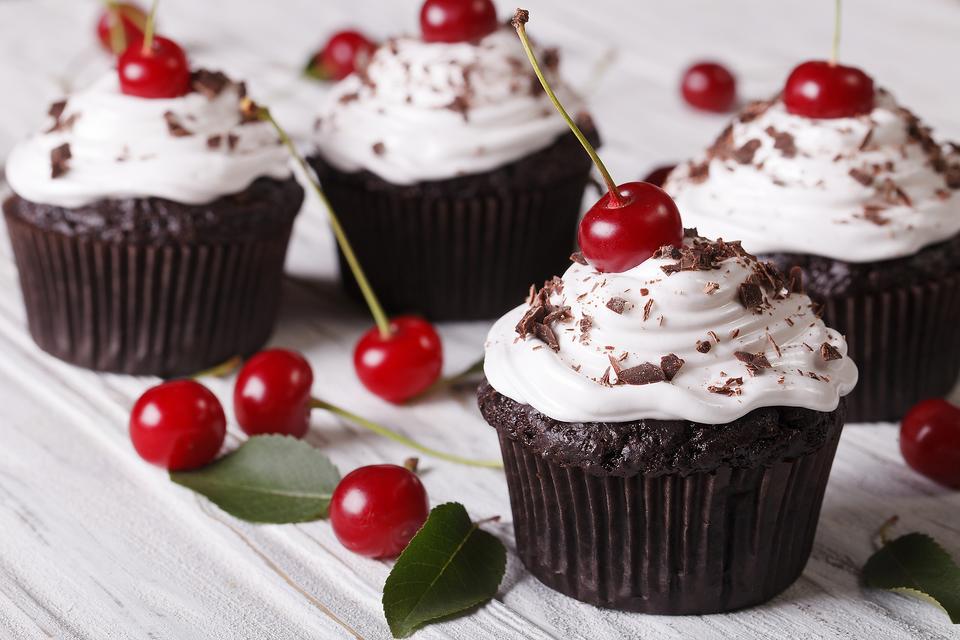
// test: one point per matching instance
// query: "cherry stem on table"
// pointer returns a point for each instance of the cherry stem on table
(221, 370)
(519, 22)
(149, 29)
(443, 383)
(883, 533)
(836, 32)
(402, 439)
(379, 316)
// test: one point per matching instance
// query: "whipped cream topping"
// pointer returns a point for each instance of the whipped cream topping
(861, 189)
(431, 111)
(104, 144)
(706, 333)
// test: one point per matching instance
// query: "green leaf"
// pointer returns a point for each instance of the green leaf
(274, 479)
(449, 566)
(915, 564)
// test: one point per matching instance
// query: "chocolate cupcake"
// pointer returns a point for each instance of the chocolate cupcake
(150, 234)
(456, 181)
(868, 206)
(667, 431)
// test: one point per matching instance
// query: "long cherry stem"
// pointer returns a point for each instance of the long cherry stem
(149, 29)
(402, 439)
(836, 33)
(379, 316)
(519, 21)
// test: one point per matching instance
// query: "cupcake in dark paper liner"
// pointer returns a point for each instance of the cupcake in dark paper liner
(150, 234)
(869, 207)
(667, 431)
(456, 181)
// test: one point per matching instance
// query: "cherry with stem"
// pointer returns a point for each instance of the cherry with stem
(631, 221)
(156, 67)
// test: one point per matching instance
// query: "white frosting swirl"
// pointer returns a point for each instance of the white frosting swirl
(684, 309)
(431, 111)
(815, 200)
(121, 146)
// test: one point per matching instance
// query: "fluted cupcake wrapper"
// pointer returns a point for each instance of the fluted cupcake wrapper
(456, 256)
(147, 309)
(669, 544)
(905, 343)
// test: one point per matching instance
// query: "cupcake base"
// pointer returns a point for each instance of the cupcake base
(899, 318)
(192, 288)
(662, 542)
(467, 248)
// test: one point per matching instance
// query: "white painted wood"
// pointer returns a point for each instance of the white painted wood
(95, 544)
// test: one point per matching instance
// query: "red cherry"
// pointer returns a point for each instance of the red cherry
(402, 365)
(272, 394)
(659, 175)
(344, 53)
(159, 72)
(616, 237)
(457, 20)
(376, 510)
(930, 441)
(132, 18)
(709, 86)
(819, 89)
(178, 425)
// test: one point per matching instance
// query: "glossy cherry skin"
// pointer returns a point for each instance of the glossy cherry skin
(930, 441)
(178, 425)
(133, 19)
(616, 238)
(658, 176)
(344, 53)
(161, 72)
(272, 394)
(457, 20)
(818, 89)
(403, 365)
(376, 510)
(709, 86)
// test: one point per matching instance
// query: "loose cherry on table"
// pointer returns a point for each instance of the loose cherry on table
(658, 176)
(272, 394)
(822, 89)
(457, 20)
(157, 69)
(178, 425)
(377, 509)
(344, 53)
(709, 86)
(133, 21)
(402, 364)
(930, 441)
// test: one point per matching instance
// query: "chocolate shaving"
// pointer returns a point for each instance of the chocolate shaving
(546, 334)
(56, 109)
(586, 323)
(704, 346)
(174, 127)
(460, 105)
(871, 213)
(616, 305)
(891, 193)
(754, 110)
(866, 140)
(751, 296)
(379, 148)
(577, 257)
(59, 123)
(729, 388)
(232, 140)
(783, 142)
(59, 160)
(698, 172)
(861, 176)
(795, 282)
(208, 83)
(646, 373)
(646, 309)
(213, 142)
(711, 288)
(754, 362)
(671, 364)
(744, 155)
(829, 352)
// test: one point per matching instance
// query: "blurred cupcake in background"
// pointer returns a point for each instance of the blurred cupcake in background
(456, 181)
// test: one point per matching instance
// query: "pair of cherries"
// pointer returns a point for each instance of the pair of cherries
(179, 425)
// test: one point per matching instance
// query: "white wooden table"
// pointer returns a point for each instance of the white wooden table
(96, 544)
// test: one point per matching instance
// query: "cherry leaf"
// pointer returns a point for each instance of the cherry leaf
(916, 564)
(274, 479)
(450, 566)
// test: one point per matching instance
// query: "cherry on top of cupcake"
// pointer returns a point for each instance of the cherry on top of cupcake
(632, 220)
(457, 20)
(824, 89)
(120, 23)
(153, 66)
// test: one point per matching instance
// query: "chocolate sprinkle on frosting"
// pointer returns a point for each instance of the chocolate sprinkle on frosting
(704, 346)
(208, 83)
(744, 155)
(753, 361)
(729, 388)
(59, 157)
(577, 257)
(616, 305)
(783, 142)
(176, 129)
(829, 352)
(671, 364)
(751, 296)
